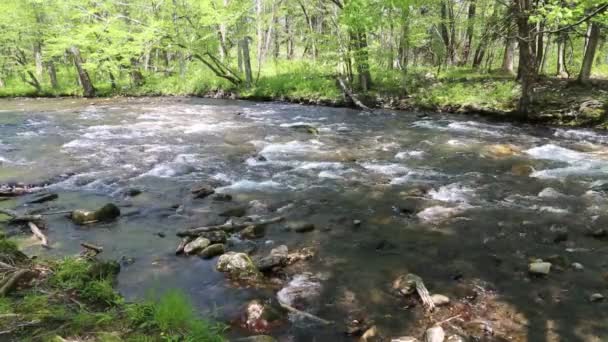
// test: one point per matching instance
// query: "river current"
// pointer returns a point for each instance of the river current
(464, 203)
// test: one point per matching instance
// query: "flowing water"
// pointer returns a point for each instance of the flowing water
(458, 201)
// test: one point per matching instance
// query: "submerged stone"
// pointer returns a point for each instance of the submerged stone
(278, 257)
(212, 251)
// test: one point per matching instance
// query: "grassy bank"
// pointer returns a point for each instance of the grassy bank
(463, 90)
(73, 299)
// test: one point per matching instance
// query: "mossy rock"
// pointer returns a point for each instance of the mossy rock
(106, 213)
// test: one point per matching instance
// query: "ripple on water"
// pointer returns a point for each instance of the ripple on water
(455, 193)
(579, 163)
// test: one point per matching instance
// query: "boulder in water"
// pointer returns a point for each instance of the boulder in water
(434, 334)
(303, 291)
(278, 257)
(539, 268)
(253, 232)
(196, 246)
(212, 251)
(202, 191)
(106, 213)
(218, 236)
(238, 266)
(522, 170)
(501, 151)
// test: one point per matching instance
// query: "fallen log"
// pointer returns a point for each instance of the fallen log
(227, 227)
(37, 233)
(352, 96)
(18, 218)
(11, 282)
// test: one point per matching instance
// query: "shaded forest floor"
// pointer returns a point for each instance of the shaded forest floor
(555, 101)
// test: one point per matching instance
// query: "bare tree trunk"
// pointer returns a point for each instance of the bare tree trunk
(445, 34)
(223, 31)
(246, 61)
(593, 39)
(509, 55)
(137, 78)
(83, 75)
(38, 59)
(52, 74)
(259, 11)
(527, 59)
(561, 55)
(2, 84)
(359, 42)
(239, 56)
(289, 41)
(470, 31)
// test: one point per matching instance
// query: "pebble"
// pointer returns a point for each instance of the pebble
(577, 266)
(434, 334)
(540, 267)
(439, 299)
(596, 297)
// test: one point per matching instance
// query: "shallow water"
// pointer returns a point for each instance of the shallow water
(478, 221)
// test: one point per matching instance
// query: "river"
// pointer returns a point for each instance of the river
(464, 203)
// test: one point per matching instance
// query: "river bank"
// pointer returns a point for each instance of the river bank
(556, 102)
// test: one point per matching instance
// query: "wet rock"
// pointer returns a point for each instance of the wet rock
(202, 191)
(356, 223)
(257, 338)
(550, 193)
(234, 212)
(600, 233)
(238, 265)
(404, 285)
(106, 213)
(434, 334)
(522, 170)
(577, 266)
(218, 236)
(439, 299)
(456, 338)
(384, 246)
(596, 297)
(43, 198)
(404, 339)
(253, 232)
(278, 257)
(303, 291)
(302, 227)
(370, 335)
(213, 251)
(501, 150)
(305, 129)
(560, 234)
(132, 192)
(222, 197)
(196, 246)
(592, 108)
(539, 268)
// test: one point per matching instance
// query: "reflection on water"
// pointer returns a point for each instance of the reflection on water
(432, 198)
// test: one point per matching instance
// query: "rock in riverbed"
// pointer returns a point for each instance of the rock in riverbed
(106, 213)
(539, 268)
(434, 334)
(277, 258)
(196, 246)
(213, 250)
(596, 297)
(302, 227)
(404, 339)
(238, 265)
(439, 299)
(202, 191)
(303, 291)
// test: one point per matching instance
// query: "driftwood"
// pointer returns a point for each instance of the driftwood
(12, 281)
(17, 218)
(352, 96)
(305, 314)
(37, 233)
(228, 227)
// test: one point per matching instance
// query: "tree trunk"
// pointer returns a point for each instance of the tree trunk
(246, 61)
(38, 59)
(561, 55)
(445, 34)
(592, 43)
(2, 85)
(527, 59)
(137, 78)
(509, 55)
(470, 31)
(239, 56)
(223, 31)
(83, 75)
(52, 74)
(289, 41)
(359, 45)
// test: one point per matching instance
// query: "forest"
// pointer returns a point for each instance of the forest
(492, 53)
